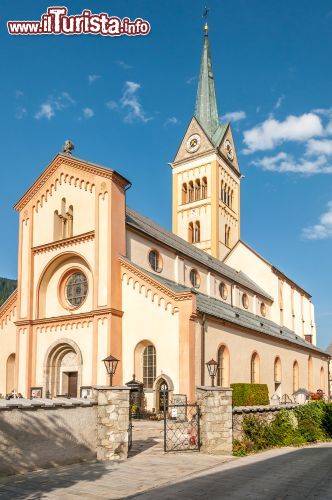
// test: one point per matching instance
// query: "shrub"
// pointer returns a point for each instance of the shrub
(310, 421)
(250, 394)
(327, 420)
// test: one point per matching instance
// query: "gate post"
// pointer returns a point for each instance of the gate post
(216, 419)
(112, 422)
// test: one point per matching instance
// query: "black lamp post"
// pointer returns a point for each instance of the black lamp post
(110, 364)
(212, 367)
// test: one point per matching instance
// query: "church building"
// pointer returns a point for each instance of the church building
(96, 278)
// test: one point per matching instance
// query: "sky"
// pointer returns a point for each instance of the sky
(125, 102)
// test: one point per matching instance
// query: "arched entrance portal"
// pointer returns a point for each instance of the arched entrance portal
(10, 373)
(163, 387)
(63, 369)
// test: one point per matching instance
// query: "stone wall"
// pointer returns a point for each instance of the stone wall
(216, 419)
(266, 413)
(46, 433)
(112, 422)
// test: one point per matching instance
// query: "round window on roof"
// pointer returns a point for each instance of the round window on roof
(245, 301)
(155, 261)
(263, 309)
(223, 290)
(195, 279)
(76, 288)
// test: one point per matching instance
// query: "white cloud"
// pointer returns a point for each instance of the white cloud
(271, 132)
(285, 163)
(279, 102)
(171, 121)
(130, 103)
(191, 79)
(88, 113)
(111, 105)
(21, 112)
(234, 116)
(123, 65)
(93, 78)
(46, 111)
(54, 103)
(323, 229)
(316, 147)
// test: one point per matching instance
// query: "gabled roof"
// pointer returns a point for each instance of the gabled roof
(150, 228)
(221, 310)
(273, 268)
(72, 161)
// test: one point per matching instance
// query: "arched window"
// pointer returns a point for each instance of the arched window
(227, 236)
(204, 188)
(190, 192)
(70, 221)
(277, 371)
(197, 190)
(191, 232)
(222, 194)
(197, 232)
(295, 376)
(245, 301)
(184, 193)
(223, 290)
(10, 373)
(310, 373)
(63, 222)
(155, 261)
(254, 369)
(263, 309)
(322, 379)
(228, 198)
(195, 278)
(149, 365)
(223, 368)
(232, 199)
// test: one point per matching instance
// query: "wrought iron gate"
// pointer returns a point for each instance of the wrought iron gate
(182, 428)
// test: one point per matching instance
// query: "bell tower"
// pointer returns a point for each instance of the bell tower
(206, 174)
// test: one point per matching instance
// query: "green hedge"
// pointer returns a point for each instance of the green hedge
(305, 424)
(250, 394)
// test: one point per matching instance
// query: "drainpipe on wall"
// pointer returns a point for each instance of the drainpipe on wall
(328, 380)
(203, 349)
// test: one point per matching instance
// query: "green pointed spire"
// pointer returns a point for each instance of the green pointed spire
(206, 103)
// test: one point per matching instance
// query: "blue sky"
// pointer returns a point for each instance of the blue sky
(126, 102)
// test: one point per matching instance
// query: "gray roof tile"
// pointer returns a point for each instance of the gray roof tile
(147, 226)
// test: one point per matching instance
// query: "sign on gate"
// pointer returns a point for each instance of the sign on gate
(182, 427)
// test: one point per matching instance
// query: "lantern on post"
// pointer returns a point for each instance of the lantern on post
(110, 364)
(212, 367)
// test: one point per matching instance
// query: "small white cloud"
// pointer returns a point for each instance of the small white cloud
(234, 116)
(88, 113)
(285, 163)
(21, 112)
(130, 102)
(271, 132)
(123, 65)
(93, 78)
(323, 229)
(46, 111)
(171, 121)
(279, 102)
(111, 105)
(317, 147)
(191, 79)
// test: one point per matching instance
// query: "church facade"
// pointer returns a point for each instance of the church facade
(97, 278)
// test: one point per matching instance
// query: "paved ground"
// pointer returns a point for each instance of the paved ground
(291, 473)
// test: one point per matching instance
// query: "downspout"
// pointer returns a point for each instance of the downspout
(203, 349)
(328, 379)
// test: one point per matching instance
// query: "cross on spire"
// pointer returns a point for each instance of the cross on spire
(206, 110)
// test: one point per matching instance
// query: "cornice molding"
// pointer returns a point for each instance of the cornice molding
(74, 240)
(75, 163)
(70, 318)
(8, 304)
(176, 296)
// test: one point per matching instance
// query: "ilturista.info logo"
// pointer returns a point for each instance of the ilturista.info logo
(56, 21)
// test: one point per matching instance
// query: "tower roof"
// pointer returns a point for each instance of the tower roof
(206, 103)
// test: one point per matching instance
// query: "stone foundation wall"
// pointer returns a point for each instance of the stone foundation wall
(266, 413)
(46, 433)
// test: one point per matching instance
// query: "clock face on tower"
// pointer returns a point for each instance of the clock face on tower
(229, 150)
(193, 143)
